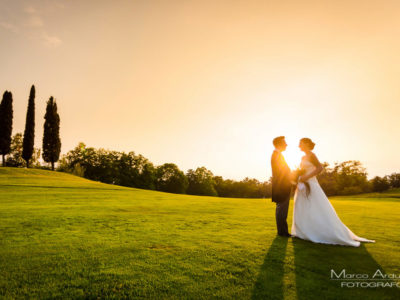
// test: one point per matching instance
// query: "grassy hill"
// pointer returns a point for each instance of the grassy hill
(63, 236)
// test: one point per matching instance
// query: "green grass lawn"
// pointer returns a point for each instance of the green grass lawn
(63, 236)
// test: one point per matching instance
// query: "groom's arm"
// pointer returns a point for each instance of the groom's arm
(276, 170)
(281, 173)
(287, 173)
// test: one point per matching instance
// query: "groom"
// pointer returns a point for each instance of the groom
(281, 185)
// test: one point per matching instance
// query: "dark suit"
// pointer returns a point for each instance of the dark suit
(281, 188)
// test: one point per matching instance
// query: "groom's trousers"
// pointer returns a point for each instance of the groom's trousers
(281, 213)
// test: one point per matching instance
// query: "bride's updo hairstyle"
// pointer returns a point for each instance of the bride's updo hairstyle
(308, 142)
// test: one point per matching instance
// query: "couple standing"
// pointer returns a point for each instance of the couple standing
(314, 217)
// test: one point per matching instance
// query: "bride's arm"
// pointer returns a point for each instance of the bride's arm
(319, 168)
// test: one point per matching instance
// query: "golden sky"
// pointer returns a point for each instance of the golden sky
(211, 83)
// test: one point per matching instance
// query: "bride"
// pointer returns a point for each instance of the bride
(314, 217)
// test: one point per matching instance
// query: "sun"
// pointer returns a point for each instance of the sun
(292, 155)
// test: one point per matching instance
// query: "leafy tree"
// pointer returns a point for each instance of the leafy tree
(222, 187)
(135, 170)
(144, 173)
(328, 180)
(51, 135)
(267, 188)
(127, 175)
(15, 158)
(246, 188)
(351, 178)
(78, 161)
(346, 178)
(380, 184)
(6, 117)
(107, 166)
(394, 180)
(29, 133)
(201, 182)
(251, 188)
(170, 179)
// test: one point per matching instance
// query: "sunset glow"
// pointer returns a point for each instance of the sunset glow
(293, 154)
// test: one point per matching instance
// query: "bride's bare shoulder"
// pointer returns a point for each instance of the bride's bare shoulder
(313, 159)
(313, 156)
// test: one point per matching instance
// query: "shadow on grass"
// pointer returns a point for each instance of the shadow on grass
(269, 284)
(313, 265)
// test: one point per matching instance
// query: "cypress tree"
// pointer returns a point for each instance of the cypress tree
(6, 116)
(51, 134)
(29, 134)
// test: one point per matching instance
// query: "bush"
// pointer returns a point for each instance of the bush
(380, 184)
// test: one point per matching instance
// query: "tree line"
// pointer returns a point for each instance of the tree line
(134, 170)
(350, 178)
(23, 148)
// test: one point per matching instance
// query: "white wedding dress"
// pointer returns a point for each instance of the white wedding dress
(315, 219)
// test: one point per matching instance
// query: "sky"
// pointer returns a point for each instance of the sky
(211, 83)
